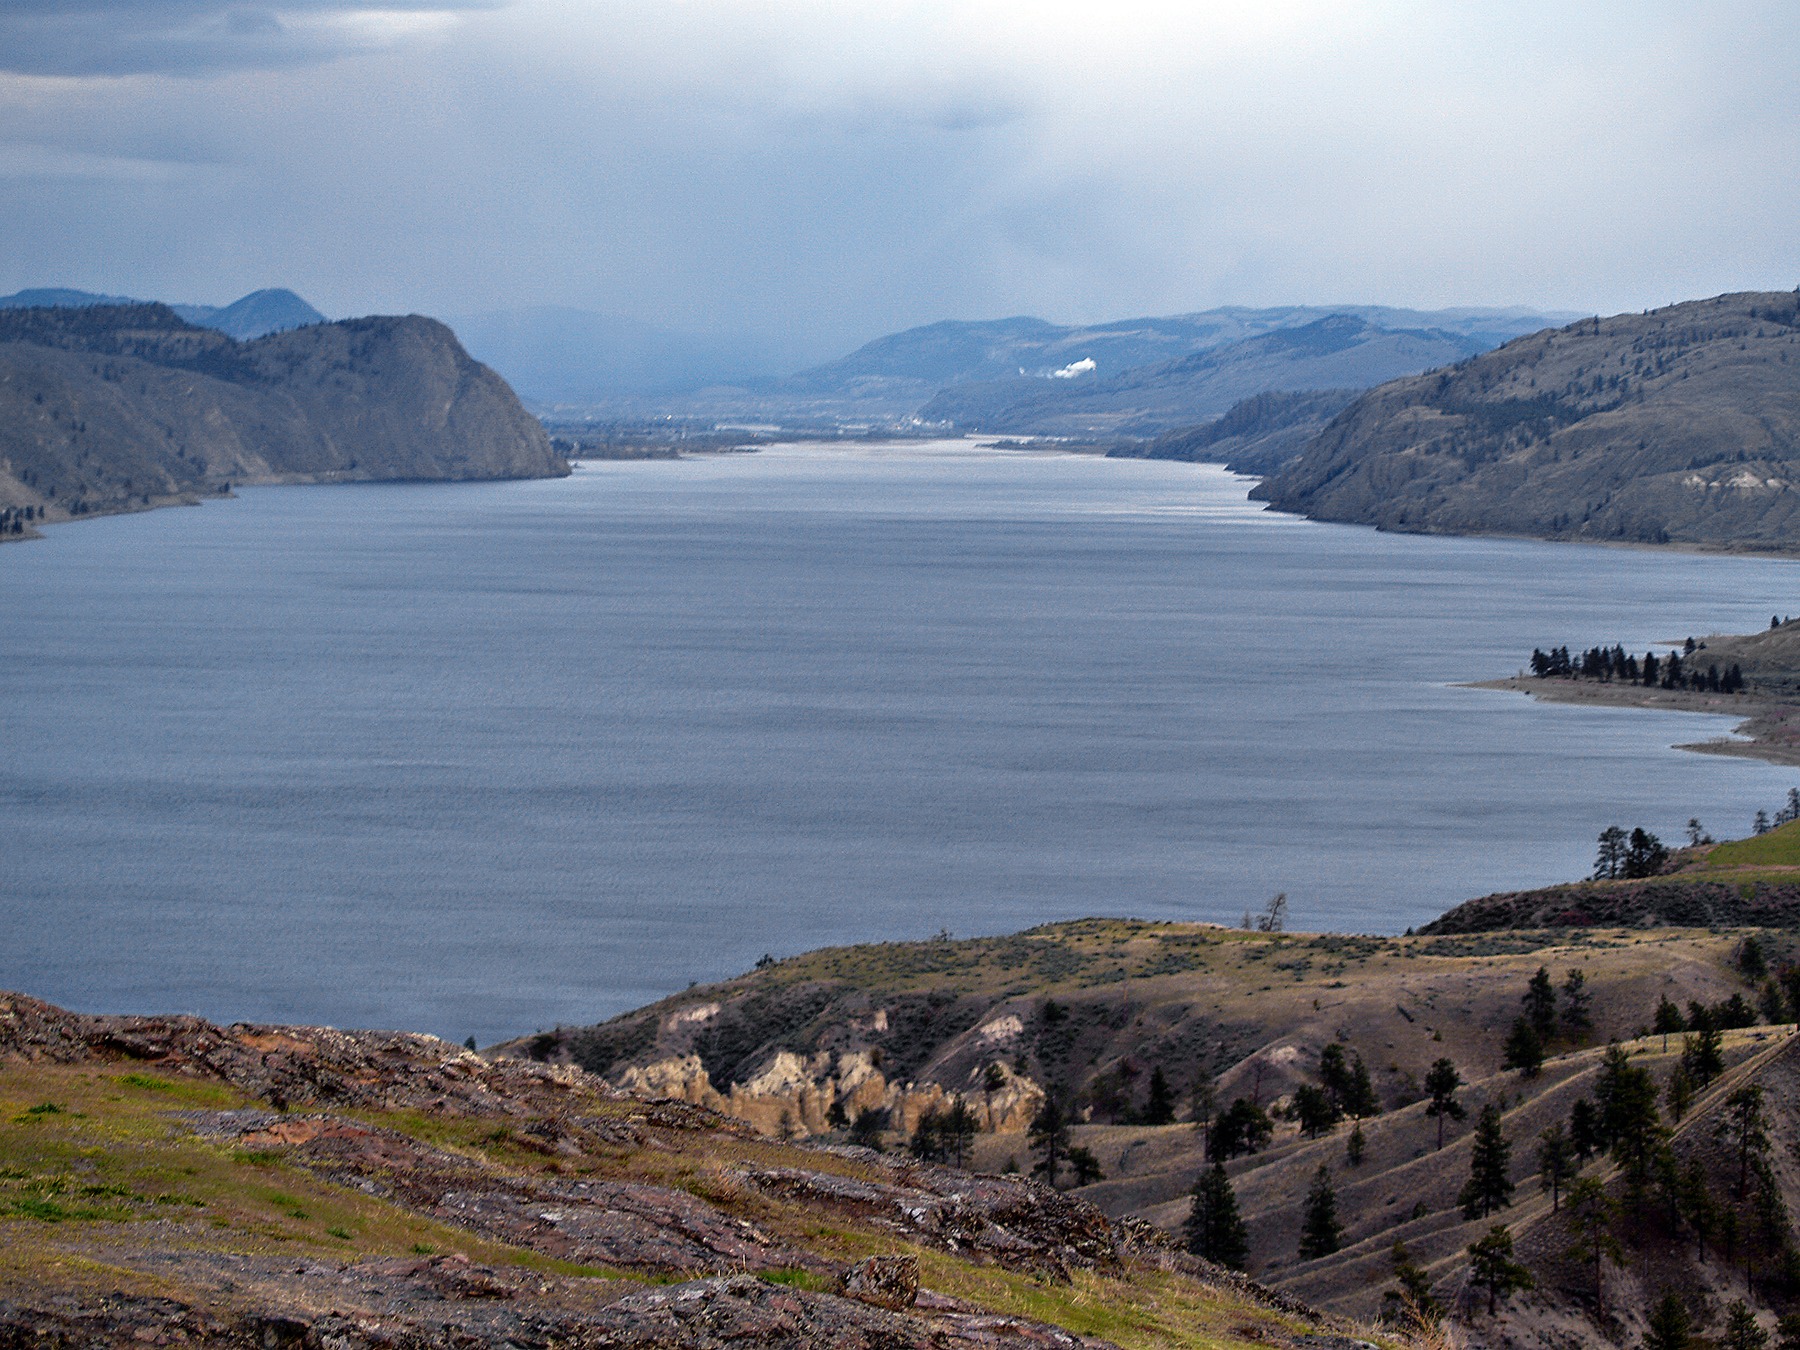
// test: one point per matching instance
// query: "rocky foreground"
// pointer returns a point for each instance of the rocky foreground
(170, 1181)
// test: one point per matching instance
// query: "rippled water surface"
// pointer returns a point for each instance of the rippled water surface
(486, 757)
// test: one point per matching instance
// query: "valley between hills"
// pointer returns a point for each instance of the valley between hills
(773, 1159)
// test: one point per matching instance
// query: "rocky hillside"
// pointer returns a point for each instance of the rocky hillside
(169, 1181)
(1257, 436)
(1680, 425)
(115, 408)
(1093, 1014)
(1339, 351)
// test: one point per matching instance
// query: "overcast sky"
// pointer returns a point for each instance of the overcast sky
(820, 173)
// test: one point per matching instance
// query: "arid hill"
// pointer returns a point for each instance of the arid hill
(169, 1181)
(1680, 425)
(118, 408)
(1091, 1013)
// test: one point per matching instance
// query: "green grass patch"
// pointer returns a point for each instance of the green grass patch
(1780, 847)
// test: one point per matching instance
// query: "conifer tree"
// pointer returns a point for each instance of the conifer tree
(1491, 1266)
(1410, 1305)
(1697, 1207)
(1591, 1213)
(1160, 1108)
(1320, 1232)
(1540, 1004)
(1524, 1049)
(1670, 1326)
(1049, 1138)
(1360, 1099)
(1584, 1129)
(1668, 1019)
(1356, 1145)
(1742, 1331)
(1214, 1228)
(1441, 1082)
(1577, 1018)
(1746, 1127)
(1556, 1163)
(1489, 1187)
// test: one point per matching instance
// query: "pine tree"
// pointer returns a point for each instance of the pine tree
(927, 1143)
(1356, 1145)
(1703, 1049)
(1668, 1019)
(1524, 1049)
(1742, 1331)
(1410, 1304)
(1584, 1129)
(958, 1131)
(1540, 1004)
(1320, 1233)
(1746, 1126)
(1576, 1017)
(1441, 1082)
(1316, 1111)
(1697, 1207)
(1489, 1187)
(1680, 1092)
(1610, 861)
(1360, 1100)
(1492, 1268)
(1049, 1139)
(1556, 1163)
(1590, 1216)
(1214, 1229)
(1160, 1108)
(1670, 1326)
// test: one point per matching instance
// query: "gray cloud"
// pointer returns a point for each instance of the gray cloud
(198, 37)
(816, 173)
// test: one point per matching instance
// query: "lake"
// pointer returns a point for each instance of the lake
(478, 759)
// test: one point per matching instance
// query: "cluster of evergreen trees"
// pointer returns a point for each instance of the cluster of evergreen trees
(1611, 664)
(1638, 854)
(1789, 811)
(14, 518)
(1543, 1020)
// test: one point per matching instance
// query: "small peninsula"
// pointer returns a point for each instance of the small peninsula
(1753, 677)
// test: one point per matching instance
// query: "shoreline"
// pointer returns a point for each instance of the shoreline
(1766, 725)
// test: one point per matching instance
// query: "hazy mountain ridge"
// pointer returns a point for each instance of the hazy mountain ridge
(251, 316)
(1679, 425)
(111, 408)
(1334, 352)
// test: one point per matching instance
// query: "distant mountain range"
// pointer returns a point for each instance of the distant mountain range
(107, 408)
(1338, 351)
(1678, 425)
(912, 366)
(254, 315)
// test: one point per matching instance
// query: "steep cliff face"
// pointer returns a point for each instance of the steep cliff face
(1681, 425)
(115, 408)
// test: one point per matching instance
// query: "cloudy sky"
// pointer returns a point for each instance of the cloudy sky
(817, 172)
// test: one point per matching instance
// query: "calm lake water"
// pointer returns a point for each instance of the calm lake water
(481, 758)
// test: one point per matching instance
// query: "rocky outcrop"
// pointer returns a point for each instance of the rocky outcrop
(115, 408)
(793, 1095)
